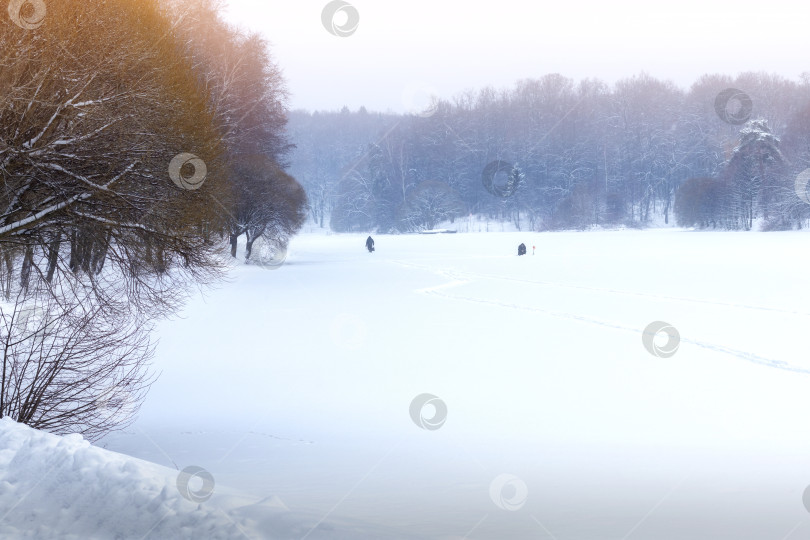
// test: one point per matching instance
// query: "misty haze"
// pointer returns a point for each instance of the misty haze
(353, 270)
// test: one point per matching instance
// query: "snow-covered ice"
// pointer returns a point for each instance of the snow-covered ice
(293, 388)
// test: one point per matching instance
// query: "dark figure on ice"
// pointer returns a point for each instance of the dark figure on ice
(370, 244)
(522, 249)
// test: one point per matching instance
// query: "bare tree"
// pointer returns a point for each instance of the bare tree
(245, 88)
(99, 235)
(428, 204)
(269, 203)
(70, 365)
(247, 96)
(95, 105)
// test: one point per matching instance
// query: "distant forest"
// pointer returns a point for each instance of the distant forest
(553, 153)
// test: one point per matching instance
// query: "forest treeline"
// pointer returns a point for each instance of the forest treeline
(139, 139)
(562, 154)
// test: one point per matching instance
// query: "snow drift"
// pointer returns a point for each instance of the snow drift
(64, 487)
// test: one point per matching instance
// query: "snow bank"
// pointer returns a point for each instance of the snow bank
(63, 487)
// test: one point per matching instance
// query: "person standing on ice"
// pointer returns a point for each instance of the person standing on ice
(370, 244)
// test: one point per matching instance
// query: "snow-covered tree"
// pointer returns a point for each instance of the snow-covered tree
(247, 96)
(753, 174)
(430, 203)
(95, 106)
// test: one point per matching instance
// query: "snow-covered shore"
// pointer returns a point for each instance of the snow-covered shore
(64, 487)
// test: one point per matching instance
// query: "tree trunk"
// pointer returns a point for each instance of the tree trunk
(25, 272)
(234, 240)
(100, 254)
(53, 258)
(9, 260)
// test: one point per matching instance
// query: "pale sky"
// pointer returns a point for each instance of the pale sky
(403, 51)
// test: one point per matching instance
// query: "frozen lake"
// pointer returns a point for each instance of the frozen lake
(298, 383)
